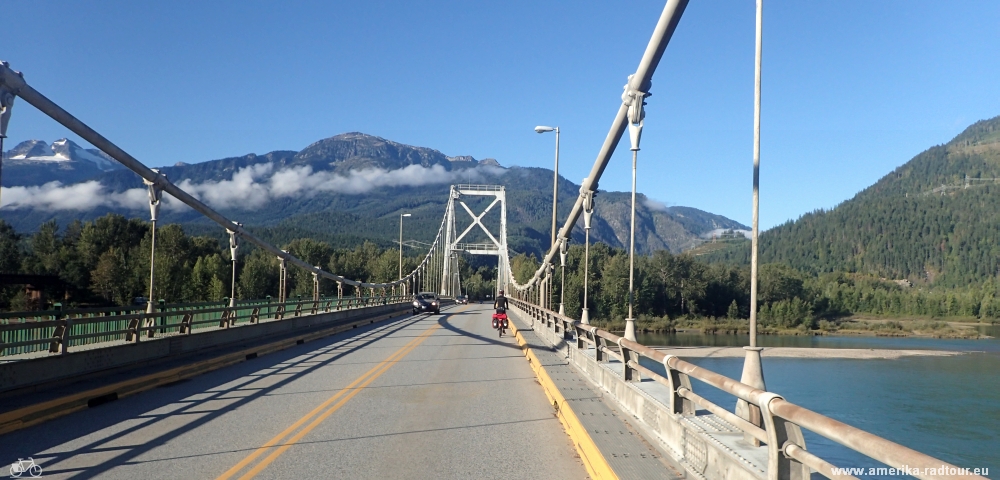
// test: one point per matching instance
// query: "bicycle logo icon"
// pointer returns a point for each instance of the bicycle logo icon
(21, 465)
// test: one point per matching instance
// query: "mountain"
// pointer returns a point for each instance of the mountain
(35, 162)
(933, 220)
(355, 185)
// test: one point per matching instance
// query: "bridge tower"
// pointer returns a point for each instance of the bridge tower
(453, 240)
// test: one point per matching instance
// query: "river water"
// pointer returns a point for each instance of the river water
(947, 407)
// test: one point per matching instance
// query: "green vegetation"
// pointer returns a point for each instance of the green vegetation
(679, 291)
(106, 262)
(900, 227)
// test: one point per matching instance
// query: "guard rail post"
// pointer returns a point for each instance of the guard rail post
(677, 381)
(780, 434)
(602, 346)
(163, 316)
(629, 373)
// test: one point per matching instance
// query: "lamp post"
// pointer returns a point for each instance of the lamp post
(401, 242)
(555, 177)
(555, 184)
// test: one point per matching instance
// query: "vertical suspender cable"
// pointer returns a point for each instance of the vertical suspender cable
(753, 371)
(756, 179)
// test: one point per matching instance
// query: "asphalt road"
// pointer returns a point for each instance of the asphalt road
(430, 396)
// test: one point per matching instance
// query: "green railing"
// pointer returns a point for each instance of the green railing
(57, 330)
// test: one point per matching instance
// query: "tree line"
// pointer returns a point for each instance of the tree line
(673, 286)
(106, 262)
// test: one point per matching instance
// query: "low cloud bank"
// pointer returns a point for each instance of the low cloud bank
(655, 205)
(249, 187)
(81, 196)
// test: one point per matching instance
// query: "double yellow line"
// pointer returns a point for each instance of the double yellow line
(320, 413)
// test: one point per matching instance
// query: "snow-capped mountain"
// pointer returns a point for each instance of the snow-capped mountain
(35, 162)
(63, 150)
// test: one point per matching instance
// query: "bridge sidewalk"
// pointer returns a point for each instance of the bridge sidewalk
(626, 452)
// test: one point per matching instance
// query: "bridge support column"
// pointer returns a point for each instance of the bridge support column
(753, 375)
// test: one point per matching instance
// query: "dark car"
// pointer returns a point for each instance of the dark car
(462, 300)
(426, 302)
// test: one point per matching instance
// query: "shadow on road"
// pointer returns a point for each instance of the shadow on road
(97, 434)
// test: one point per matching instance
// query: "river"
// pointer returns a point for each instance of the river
(947, 407)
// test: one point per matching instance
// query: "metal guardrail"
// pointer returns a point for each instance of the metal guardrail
(782, 420)
(57, 330)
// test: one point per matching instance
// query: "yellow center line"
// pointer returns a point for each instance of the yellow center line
(350, 391)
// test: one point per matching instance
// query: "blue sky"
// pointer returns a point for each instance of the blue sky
(851, 89)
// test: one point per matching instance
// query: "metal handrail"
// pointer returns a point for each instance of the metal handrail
(770, 404)
(61, 329)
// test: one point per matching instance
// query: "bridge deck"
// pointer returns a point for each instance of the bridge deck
(422, 397)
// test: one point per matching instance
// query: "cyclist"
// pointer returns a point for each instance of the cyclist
(500, 304)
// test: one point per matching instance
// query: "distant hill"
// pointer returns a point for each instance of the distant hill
(354, 186)
(935, 219)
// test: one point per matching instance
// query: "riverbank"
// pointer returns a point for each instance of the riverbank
(794, 352)
(873, 327)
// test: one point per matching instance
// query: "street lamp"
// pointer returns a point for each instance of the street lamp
(555, 177)
(555, 180)
(401, 243)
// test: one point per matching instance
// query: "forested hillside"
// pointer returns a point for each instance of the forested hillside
(934, 220)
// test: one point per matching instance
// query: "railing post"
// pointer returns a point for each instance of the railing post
(780, 434)
(186, 323)
(678, 380)
(602, 344)
(629, 373)
(163, 316)
(61, 333)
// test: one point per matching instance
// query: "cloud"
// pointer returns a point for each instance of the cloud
(655, 205)
(80, 196)
(250, 187)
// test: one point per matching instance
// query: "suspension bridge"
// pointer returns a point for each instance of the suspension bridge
(355, 385)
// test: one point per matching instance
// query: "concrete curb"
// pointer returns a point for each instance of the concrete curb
(45, 411)
(595, 463)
